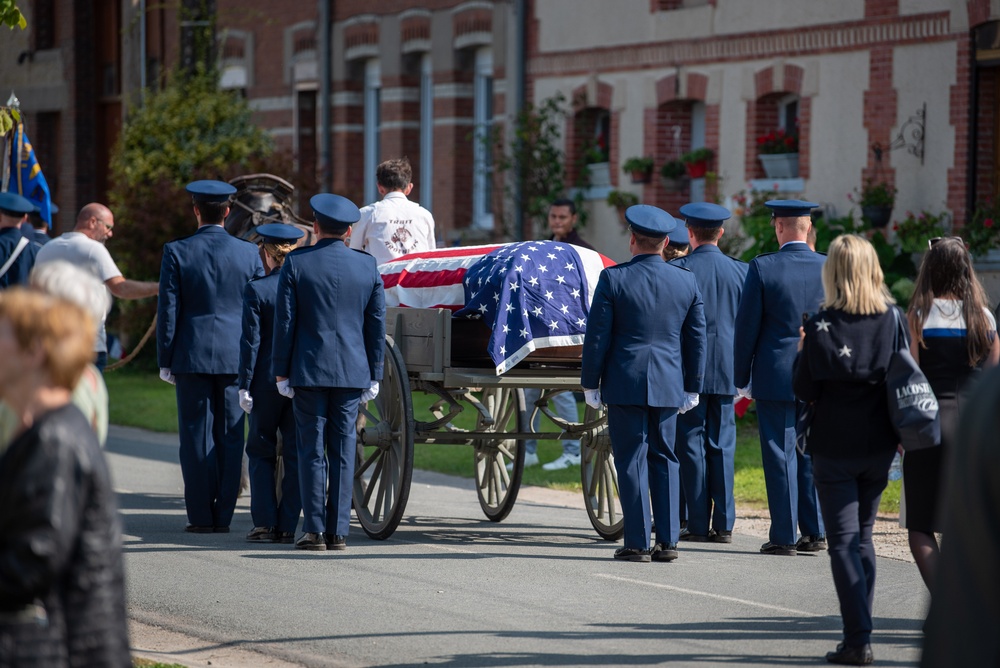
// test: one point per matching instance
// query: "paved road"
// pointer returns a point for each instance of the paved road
(453, 589)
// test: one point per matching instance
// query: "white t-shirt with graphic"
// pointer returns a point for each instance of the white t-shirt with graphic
(393, 227)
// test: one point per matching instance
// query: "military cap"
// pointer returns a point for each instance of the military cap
(334, 210)
(704, 214)
(277, 233)
(790, 208)
(679, 236)
(650, 220)
(14, 205)
(210, 191)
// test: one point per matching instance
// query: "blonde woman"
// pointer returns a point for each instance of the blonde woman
(62, 595)
(844, 354)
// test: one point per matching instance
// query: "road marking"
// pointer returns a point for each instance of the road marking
(443, 548)
(719, 597)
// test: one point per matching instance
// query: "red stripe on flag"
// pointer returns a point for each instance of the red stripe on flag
(458, 251)
(423, 279)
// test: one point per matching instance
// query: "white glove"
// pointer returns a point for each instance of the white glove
(592, 398)
(165, 375)
(691, 400)
(370, 393)
(246, 401)
(745, 391)
(284, 389)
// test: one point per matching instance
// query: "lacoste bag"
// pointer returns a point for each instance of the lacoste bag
(913, 407)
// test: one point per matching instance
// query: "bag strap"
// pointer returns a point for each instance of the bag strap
(13, 256)
(902, 333)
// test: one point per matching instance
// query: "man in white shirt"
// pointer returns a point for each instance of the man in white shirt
(84, 248)
(394, 226)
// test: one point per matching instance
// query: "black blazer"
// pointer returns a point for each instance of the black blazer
(842, 369)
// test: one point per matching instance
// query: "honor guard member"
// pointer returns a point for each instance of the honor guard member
(678, 244)
(329, 344)
(17, 254)
(37, 228)
(201, 300)
(271, 416)
(644, 356)
(780, 287)
(706, 434)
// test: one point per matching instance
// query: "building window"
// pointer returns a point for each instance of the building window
(426, 131)
(44, 23)
(482, 157)
(373, 123)
(305, 137)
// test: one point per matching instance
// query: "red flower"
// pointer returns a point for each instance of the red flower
(895, 227)
(988, 222)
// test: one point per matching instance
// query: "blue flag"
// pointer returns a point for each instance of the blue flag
(26, 178)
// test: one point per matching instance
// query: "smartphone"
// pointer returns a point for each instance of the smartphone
(805, 317)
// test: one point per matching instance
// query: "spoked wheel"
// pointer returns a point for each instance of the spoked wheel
(600, 481)
(385, 451)
(496, 486)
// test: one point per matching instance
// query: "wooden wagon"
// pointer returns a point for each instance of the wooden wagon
(430, 352)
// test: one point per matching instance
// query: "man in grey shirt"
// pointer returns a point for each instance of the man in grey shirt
(84, 248)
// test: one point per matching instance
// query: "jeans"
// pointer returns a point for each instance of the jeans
(565, 407)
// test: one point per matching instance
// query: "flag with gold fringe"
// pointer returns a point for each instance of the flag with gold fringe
(26, 178)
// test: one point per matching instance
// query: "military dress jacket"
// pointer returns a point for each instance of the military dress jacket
(779, 288)
(720, 280)
(18, 272)
(645, 340)
(329, 323)
(256, 343)
(202, 278)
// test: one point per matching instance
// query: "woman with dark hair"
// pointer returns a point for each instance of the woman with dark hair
(844, 355)
(952, 336)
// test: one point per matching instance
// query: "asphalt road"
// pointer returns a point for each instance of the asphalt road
(451, 588)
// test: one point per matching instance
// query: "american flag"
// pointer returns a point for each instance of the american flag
(430, 279)
(533, 294)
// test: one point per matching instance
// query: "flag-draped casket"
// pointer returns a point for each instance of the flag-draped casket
(531, 294)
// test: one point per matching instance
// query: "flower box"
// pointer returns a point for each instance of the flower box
(600, 173)
(780, 165)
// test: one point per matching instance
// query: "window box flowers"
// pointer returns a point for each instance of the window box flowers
(982, 233)
(778, 152)
(696, 162)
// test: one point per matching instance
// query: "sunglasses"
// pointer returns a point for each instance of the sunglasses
(934, 240)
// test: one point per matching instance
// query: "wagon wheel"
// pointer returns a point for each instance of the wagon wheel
(496, 486)
(600, 480)
(385, 451)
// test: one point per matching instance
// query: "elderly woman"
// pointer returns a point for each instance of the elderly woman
(62, 593)
(841, 368)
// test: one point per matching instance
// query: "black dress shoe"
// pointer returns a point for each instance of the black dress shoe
(287, 537)
(191, 528)
(811, 544)
(774, 548)
(262, 535)
(662, 552)
(720, 536)
(693, 537)
(851, 655)
(336, 542)
(631, 554)
(311, 541)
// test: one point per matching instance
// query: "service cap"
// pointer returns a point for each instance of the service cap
(278, 233)
(650, 220)
(210, 191)
(790, 208)
(334, 210)
(704, 214)
(14, 205)
(679, 236)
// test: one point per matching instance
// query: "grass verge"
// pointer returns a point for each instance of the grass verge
(143, 400)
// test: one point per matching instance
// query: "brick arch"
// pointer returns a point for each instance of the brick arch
(770, 84)
(593, 95)
(979, 12)
(582, 97)
(690, 86)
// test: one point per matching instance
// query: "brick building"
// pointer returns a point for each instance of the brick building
(918, 78)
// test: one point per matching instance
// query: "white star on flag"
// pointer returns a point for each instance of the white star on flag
(551, 256)
(509, 307)
(519, 268)
(534, 281)
(514, 286)
(503, 350)
(564, 308)
(548, 295)
(560, 279)
(482, 308)
(575, 293)
(542, 268)
(524, 333)
(537, 310)
(569, 266)
(553, 325)
(506, 329)
(525, 257)
(580, 322)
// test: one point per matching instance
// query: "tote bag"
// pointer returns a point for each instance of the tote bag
(913, 407)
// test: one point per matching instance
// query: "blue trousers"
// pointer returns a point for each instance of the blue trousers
(706, 449)
(210, 428)
(791, 495)
(326, 424)
(272, 415)
(642, 440)
(565, 407)
(849, 493)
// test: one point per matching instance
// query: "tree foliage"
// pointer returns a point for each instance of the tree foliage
(11, 16)
(189, 130)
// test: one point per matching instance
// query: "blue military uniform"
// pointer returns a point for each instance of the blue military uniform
(16, 206)
(272, 413)
(329, 339)
(779, 288)
(645, 348)
(706, 434)
(200, 303)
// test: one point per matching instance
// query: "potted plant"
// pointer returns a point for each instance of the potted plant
(595, 159)
(982, 233)
(696, 161)
(877, 199)
(621, 200)
(778, 152)
(673, 174)
(640, 169)
(914, 231)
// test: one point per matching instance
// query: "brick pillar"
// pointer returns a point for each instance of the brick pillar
(880, 113)
(348, 159)
(958, 185)
(986, 132)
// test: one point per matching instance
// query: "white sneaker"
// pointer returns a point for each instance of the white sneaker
(530, 459)
(564, 462)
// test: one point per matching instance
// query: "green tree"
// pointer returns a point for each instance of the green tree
(11, 16)
(189, 130)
